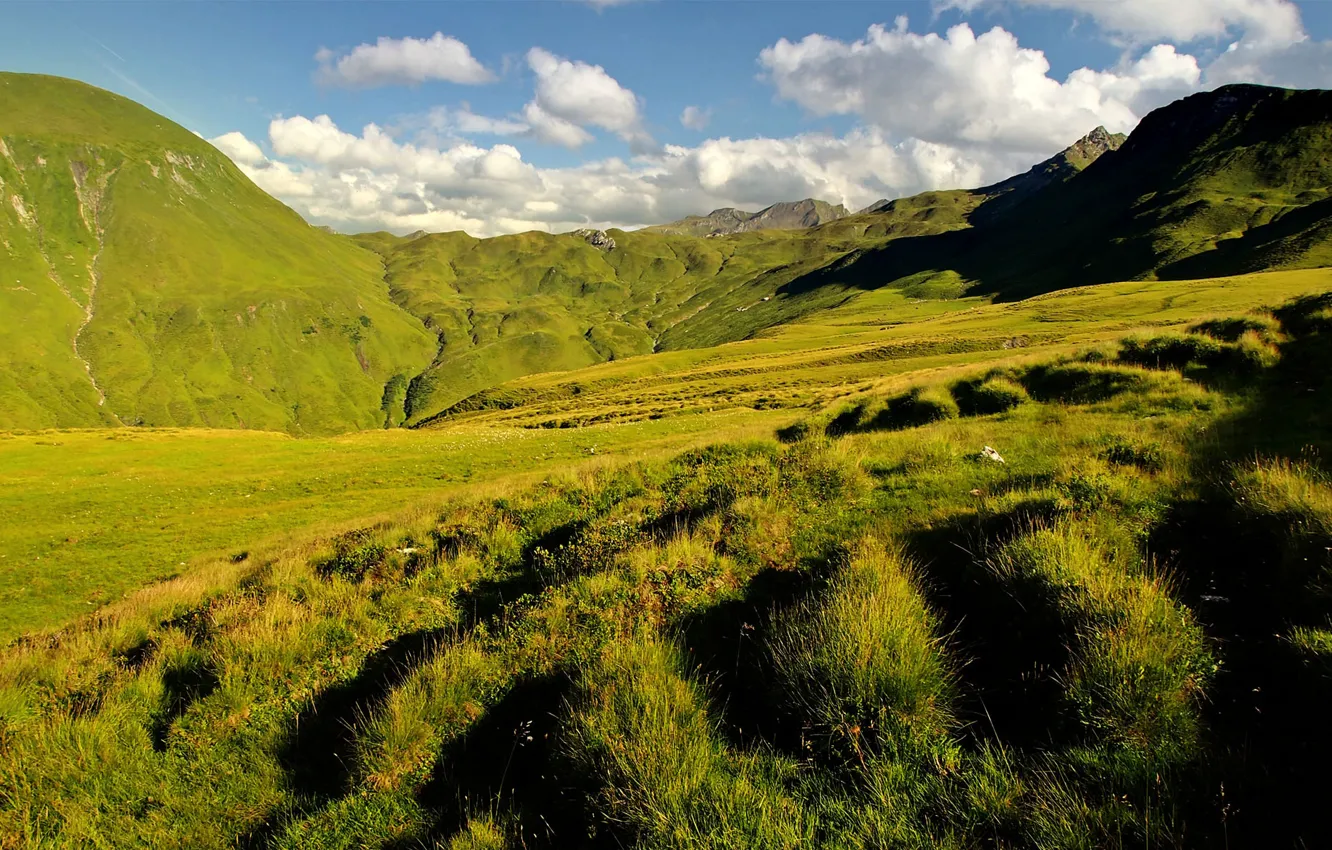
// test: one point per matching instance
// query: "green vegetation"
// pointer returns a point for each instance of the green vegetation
(822, 539)
(887, 637)
(158, 286)
(146, 281)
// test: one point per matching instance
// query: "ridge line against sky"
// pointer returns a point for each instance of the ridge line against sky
(504, 117)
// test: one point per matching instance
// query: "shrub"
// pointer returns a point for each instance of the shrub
(989, 395)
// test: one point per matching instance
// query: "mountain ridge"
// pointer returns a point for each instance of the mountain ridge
(783, 215)
(154, 284)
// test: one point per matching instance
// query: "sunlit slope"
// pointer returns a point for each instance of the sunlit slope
(139, 266)
(535, 302)
(874, 338)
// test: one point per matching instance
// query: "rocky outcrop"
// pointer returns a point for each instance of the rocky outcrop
(598, 239)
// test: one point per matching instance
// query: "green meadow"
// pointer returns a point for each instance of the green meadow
(1071, 597)
(985, 519)
(98, 513)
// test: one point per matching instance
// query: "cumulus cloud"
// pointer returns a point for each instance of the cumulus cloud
(371, 181)
(241, 150)
(961, 89)
(1274, 21)
(572, 95)
(402, 61)
(694, 118)
(1302, 65)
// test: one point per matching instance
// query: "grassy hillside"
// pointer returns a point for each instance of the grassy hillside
(147, 281)
(1069, 593)
(155, 285)
(95, 514)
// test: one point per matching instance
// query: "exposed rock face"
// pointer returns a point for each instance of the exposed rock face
(787, 215)
(598, 239)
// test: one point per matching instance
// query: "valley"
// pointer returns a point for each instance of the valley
(992, 518)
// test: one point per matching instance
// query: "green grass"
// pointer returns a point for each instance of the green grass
(880, 639)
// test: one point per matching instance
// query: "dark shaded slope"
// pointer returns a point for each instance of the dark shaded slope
(1219, 183)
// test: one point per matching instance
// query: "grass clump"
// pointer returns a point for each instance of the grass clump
(1140, 662)
(916, 407)
(1290, 502)
(1120, 451)
(1235, 328)
(993, 394)
(863, 662)
(644, 728)
(1081, 383)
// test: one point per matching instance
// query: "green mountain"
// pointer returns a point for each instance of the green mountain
(145, 280)
(152, 283)
(787, 215)
(1219, 183)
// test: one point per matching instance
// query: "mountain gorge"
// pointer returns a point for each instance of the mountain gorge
(147, 281)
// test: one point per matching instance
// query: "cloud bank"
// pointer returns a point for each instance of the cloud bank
(957, 109)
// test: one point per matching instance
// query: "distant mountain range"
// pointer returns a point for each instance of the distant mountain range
(145, 280)
(788, 215)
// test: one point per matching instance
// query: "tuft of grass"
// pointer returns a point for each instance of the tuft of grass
(645, 730)
(993, 394)
(1140, 661)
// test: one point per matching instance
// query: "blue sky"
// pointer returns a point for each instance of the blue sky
(788, 96)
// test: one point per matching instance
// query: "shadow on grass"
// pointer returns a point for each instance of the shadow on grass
(727, 644)
(507, 764)
(1010, 631)
(182, 686)
(316, 752)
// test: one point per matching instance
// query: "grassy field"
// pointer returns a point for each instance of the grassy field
(93, 514)
(98, 513)
(1071, 599)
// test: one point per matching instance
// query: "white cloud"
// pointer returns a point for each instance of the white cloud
(572, 95)
(371, 181)
(240, 149)
(463, 121)
(554, 129)
(1302, 65)
(402, 61)
(964, 90)
(694, 118)
(1275, 21)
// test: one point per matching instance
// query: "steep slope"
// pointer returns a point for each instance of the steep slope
(1219, 183)
(787, 215)
(145, 280)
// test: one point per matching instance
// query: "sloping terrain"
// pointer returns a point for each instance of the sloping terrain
(1059, 600)
(144, 280)
(153, 284)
